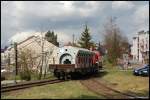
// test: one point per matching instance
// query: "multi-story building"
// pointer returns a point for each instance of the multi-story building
(140, 47)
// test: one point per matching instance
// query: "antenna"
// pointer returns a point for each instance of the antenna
(73, 39)
(86, 22)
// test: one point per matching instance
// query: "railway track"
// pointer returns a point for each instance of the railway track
(28, 84)
(107, 92)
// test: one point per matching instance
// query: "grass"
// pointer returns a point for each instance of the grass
(125, 81)
(65, 90)
(12, 77)
(33, 77)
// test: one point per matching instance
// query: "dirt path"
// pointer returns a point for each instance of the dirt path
(101, 89)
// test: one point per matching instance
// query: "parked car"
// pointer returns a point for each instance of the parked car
(143, 71)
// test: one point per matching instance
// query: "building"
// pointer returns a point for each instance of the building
(34, 46)
(3, 58)
(140, 47)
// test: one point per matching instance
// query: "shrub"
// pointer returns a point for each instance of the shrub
(25, 75)
(2, 78)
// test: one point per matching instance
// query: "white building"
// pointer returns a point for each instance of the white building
(2, 58)
(140, 47)
(34, 43)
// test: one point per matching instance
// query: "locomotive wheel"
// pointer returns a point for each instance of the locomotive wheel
(55, 73)
(72, 76)
(68, 76)
(58, 75)
(63, 75)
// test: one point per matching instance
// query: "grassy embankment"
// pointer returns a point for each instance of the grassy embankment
(125, 81)
(65, 90)
(33, 77)
(122, 80)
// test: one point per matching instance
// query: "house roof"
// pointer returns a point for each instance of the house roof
(2, 50)
(26, 39)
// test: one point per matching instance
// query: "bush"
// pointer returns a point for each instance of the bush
(2, 78)
(25, 75)
(12, 77)
(34, 76)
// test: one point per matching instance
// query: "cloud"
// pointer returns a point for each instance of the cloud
(18, 37)
(62, 37)
(122, 5)
(141, 17)
(22, 18)
(25, 16)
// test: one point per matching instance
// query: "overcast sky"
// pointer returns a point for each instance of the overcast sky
(21, 19)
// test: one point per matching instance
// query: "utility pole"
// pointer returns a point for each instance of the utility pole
(16, 60)
(73, 40)
(42, 56)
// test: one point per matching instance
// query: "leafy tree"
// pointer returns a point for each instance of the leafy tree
(51, 37)
(85, 40)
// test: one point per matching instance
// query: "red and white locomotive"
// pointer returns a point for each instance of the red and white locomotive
(75, 61)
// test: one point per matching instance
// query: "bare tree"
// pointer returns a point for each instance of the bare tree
(29, 61)
(47, 56)
(116, 44)
(26, 63)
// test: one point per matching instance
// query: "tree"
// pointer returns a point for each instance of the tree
(46, 55)
(51, 37)
(71, 44)
(101, 49)
(85, 40)
(116, 44)
(26, 63)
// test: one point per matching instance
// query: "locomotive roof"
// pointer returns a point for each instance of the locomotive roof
(76, 48)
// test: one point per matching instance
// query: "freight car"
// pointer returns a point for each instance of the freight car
(75, 61)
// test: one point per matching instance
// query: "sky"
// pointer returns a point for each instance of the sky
(21, 19)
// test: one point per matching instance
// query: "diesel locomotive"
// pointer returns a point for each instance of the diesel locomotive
(74, 61)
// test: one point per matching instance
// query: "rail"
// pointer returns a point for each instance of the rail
(28, 84)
